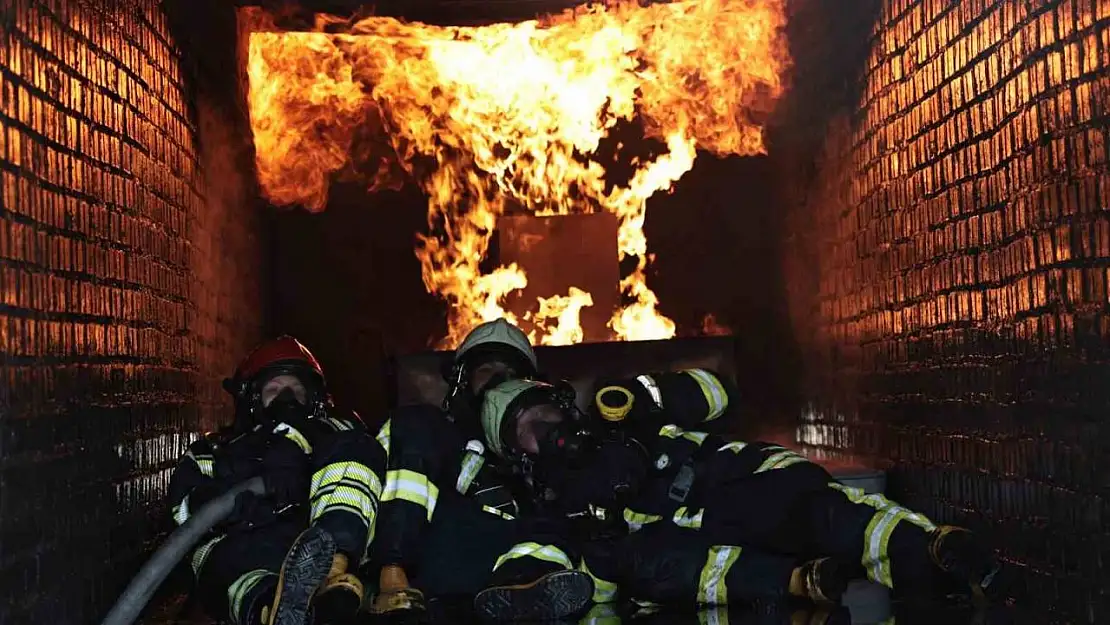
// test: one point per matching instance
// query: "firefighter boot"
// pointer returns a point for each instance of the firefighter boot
(306, 566)
(965, 559)
(554, 596)
(338, 599)
(821, 581)
(395, 596)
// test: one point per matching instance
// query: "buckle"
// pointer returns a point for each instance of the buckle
(683, 482)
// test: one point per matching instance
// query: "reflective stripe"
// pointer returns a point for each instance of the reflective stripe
(602, 614)
(713, 616)
(712, 589)
(673, 431)
(496, 512)
(683, 518)
(471, 464)
(239, 589)
(347, 486)
(181, 511)
(780, 460)
(547, 553)
(338, 425)
(201, 554)
(604, 591)
(383, 436)
(649, 383)
(294, 435)
(715, 394)
(636, 520)
(412, 487)
(735, 447)
(204, 462)
(880, 502)
(876, 538)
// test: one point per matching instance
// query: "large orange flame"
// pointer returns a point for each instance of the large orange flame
(510, 117)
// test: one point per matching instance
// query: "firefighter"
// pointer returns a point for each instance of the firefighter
(447, 513)
(673, 565)
(625, 465)
(289, 556)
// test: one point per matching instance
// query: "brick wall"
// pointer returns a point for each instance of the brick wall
(959, 224)
(129, 282)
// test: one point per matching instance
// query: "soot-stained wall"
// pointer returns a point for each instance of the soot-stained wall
(949, 267)
(130, 273)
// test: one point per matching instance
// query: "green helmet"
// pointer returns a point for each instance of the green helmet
(497, 333)
(495, 407)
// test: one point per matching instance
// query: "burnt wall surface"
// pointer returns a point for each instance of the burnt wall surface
(949, 273)
(129, 283)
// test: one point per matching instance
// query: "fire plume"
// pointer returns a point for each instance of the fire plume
(510, 117)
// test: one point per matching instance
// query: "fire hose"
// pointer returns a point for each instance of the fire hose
(181, 542)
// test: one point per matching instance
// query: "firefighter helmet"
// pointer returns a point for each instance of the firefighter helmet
(283, 355)
(496, 404)
(497, 333)
(496, 340)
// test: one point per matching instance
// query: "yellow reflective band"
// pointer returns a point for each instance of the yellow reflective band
(715, 395)
(649, 383)
(880, 502)
(412, 487)
(547, 553)
(204, 463)
(602, 614)
(240, 588)
(348, 486)
(614, 413)
(712, 589)
(735, 447)
(604, 591)
(294, 435)
(673, 431)
(383, 436)
(876, 539)
(683, 518)
(713, 616)
(181, 511)
(201, 554)
(471, 464)
(780, 460)
(496, 512)
(636, 520)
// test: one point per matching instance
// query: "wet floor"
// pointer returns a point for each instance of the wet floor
(864, 604)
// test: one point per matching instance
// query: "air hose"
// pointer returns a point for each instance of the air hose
(177, 546)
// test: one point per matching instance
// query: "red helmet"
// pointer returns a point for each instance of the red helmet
(282, 352)
(282, 355)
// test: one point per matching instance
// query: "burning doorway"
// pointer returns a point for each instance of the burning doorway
(590, 112)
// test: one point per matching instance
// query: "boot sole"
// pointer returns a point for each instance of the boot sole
(554, 596)
(305, 568)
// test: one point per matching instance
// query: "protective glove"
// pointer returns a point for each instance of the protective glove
(250, 512)
(285, 472)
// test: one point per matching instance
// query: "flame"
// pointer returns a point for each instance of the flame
(565, 310)
(510, 117)
(711, 327)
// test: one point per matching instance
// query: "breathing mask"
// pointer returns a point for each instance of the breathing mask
(286, 407)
